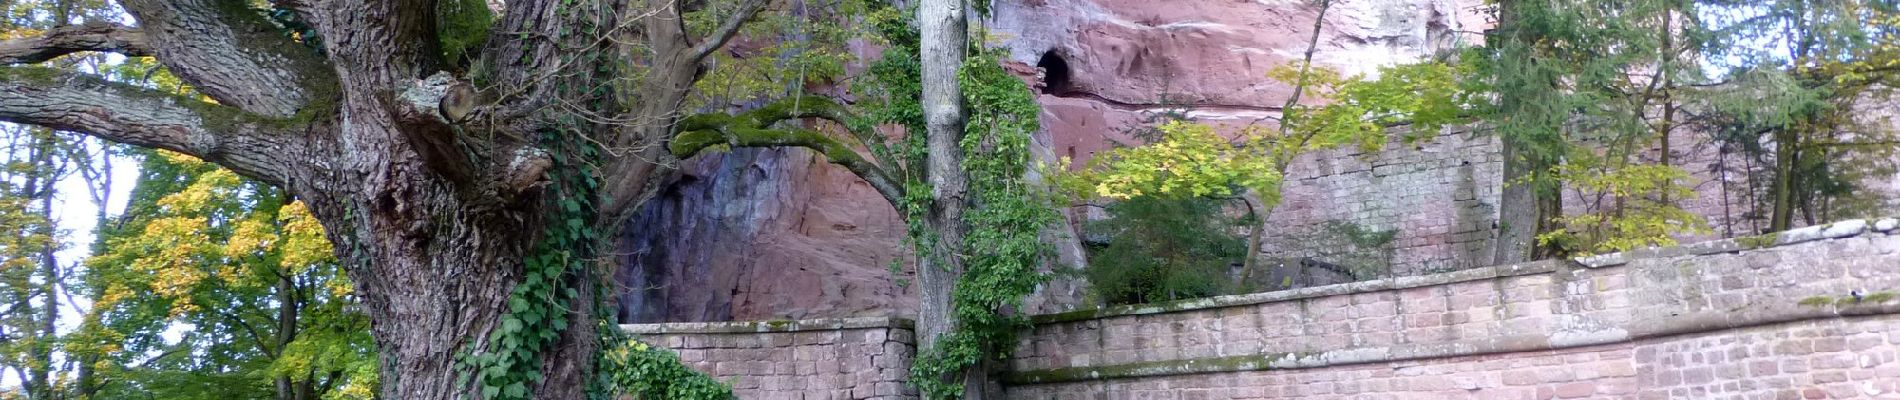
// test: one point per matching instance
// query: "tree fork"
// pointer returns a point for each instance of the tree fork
(435, 246)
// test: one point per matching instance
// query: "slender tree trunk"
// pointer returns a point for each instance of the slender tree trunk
(288, 304)
(1782, 193)
(944, 42)
(40, 182)
(1666, 65)
(1256, 231)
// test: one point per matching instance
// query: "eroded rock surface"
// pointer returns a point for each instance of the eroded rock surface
(758, 234)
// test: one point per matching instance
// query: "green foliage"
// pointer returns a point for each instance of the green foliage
(1003, 250)
(1816, 301)
(29, 236)
(653, 373)
(1796, 112)
(1190, 160)
(813, 50)
(1195, 160)
(1560, 73)
(252, 275)
(1850, 300)
(1355, 110)
(1162, 249)
(1641, 216)
(1362, 236)
(462, 26)
(1880, 297)
(538, 307)
(508, 365)
(892, 94)
(1580, 93)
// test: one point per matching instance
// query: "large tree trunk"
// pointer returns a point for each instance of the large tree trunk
(1518, 214)
(1530, 198)
(944, 31)
(431, 215)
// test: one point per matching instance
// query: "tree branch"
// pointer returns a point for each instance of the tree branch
(72, 39)
(256, 338)
(64, 100)
(231, 53)
(727, 30)
(808, 106)
(748, 129)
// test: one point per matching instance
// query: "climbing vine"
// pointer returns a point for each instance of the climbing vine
(555, 271)
(1001, 252)
(537, 308)
(648, 372)
(1003, 248)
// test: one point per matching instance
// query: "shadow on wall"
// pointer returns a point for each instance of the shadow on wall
(1336, 252)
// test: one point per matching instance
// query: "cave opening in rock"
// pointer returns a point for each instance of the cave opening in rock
(1055, 73)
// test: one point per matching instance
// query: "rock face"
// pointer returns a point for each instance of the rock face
(762, 234)
(768, 234)
(758, 234)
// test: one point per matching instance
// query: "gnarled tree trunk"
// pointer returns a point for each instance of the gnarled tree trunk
(431, 217)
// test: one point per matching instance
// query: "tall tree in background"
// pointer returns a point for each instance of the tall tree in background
(28, 267)
(1583, 96)
(35, 283)
(271, 315)
(461, 176)
(1801, 77)
(1528, 122)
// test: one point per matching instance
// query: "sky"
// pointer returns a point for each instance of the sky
(76, 215)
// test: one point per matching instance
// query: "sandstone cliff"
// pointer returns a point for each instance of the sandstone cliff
(764, 234)
(757, 234)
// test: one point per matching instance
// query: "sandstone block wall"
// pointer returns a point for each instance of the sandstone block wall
(1810, 312)
(822, 359)
(1410, 209)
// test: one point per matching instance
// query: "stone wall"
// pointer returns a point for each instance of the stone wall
(820, 359)
(1432, 202)
(1810, 312)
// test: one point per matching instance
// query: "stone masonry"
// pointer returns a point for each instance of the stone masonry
(1812, 313)
(1809, 313)
(823, 359)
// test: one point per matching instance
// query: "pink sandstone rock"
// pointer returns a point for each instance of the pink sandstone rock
(776, 234)
(760, 234)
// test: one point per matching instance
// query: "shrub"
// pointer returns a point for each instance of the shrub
(1161, 249)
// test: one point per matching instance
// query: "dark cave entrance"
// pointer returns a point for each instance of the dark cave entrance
(1055, 74)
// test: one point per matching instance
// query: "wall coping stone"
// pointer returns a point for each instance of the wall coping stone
(1401, 282)
(1837, 230)
(819, 324)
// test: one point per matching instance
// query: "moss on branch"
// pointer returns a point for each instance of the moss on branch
(753, 129)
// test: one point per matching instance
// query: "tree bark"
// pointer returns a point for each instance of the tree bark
(1786, 150)
(431, 218)
(1529, 198)
(1517, 213)
(1257, 212)
(943, 26)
